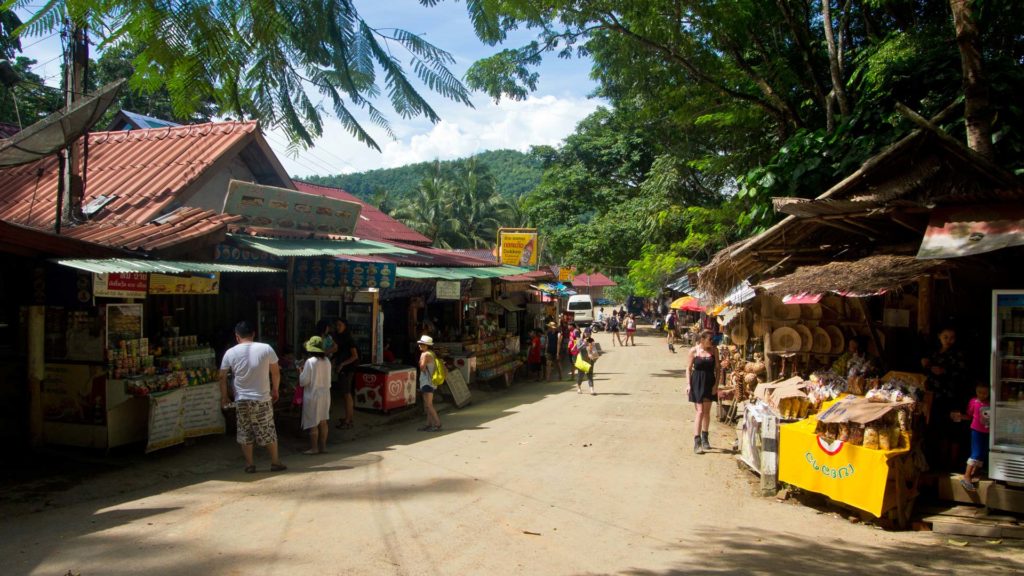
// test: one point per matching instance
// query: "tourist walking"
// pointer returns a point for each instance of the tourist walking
(552, 350)
(631, 330)
(613, 327)
(427, 364)
(315, 379)
(702, 388)
(588, 353)
(257, 381)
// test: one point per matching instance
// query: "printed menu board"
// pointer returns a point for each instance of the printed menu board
(124, 322)
(165, 419)
(333, 273)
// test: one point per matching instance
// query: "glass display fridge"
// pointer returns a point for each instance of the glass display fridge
(1006, 440)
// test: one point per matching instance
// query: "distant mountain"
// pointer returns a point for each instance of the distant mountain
(515, 172)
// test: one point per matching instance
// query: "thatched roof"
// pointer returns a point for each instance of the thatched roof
(865, 276)
(881, 208)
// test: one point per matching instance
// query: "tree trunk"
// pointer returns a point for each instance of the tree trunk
(838, 86)
(977, 112)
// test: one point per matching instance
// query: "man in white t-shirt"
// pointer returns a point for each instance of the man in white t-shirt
(257, 378)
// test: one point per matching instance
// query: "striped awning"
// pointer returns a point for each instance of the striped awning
(124, 265)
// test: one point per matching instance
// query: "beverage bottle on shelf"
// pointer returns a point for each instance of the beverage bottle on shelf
(1020, 369)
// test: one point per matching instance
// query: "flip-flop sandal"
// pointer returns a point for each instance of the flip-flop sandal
(250, 469)
(278, 467)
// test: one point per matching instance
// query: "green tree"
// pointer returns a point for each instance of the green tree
(30, 100)
(264, 58)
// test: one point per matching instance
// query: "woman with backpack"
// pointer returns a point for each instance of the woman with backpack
(428, 365)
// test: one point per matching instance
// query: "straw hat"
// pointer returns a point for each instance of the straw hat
(810, 311)
(738, 333)
(835, 336)
(761, 327)
(427, 340)
(783, 311)
(822, 342)
(785, 339)
(806, 338)
(315, 344)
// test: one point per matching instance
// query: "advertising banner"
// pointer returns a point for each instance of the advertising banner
(518, 247)
(333, 273)
(842, 471)
(282, 209)
(166, 284)
(567, 274)
(120, 285)
(449, 289)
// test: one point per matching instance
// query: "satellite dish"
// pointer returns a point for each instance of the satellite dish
(58, 129)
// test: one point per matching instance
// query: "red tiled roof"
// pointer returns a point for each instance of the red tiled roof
(481, 253)
(595, 280)
(373, 224)
(147, 171)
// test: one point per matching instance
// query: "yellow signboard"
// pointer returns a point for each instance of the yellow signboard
(518, 247)
(844, 472)
(165, 284)
(566, 273)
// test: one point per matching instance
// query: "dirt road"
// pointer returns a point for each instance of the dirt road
(540, 480)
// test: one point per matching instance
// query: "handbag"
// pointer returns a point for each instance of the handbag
(582, 365)
(297, 397)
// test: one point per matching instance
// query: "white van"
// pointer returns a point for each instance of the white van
(582, 308)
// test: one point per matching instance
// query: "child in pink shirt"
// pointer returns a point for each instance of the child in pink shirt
(978, 413)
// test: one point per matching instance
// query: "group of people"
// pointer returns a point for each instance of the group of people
(331, 362)
(620, 324)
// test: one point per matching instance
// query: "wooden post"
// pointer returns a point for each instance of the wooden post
(924, 305)
(766, 337)
(36, 372)
(769, 455)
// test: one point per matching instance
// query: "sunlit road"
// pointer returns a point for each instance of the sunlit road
(536, 481)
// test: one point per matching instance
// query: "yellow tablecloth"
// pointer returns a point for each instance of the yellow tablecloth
(846, 473)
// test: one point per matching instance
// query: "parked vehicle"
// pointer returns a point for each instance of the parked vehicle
(582, 308)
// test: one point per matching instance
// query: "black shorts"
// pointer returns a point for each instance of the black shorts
(346, 383)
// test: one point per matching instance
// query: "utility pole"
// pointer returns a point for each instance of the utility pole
(75, 68)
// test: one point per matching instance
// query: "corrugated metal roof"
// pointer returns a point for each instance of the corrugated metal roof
(427, 257)
(145, 170)
(179, 226)
(114, 265)
(287, 247)
(447, 273)
(372, 224)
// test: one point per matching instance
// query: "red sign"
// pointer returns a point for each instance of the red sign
(121, 285)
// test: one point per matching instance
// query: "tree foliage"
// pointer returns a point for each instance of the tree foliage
(282, 62)
(718, 106)
(515, 174)
(458, 206)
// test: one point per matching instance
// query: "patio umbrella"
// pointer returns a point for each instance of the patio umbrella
(687, 304)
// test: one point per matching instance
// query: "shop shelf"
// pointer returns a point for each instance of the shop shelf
(1012, 379)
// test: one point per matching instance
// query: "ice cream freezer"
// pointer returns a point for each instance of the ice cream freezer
(385, 387)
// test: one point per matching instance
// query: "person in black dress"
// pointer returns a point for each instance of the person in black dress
(702, 387)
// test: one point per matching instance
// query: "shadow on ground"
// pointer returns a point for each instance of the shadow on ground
(760, 550)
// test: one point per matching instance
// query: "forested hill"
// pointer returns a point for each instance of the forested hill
(516, 174)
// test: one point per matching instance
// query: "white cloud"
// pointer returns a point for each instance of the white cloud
(517, 125)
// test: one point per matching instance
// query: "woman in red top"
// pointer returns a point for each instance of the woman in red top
(534, 356)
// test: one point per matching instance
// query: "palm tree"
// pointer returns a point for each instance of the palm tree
(428, 212)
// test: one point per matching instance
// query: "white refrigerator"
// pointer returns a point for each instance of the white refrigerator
(1006, 440)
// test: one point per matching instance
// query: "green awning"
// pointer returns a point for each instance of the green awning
(447, 273)
(286, 247)
(123, 265)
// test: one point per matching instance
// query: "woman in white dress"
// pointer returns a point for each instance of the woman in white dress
(315, 379)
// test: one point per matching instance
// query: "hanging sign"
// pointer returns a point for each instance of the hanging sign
(567, 274)
(120, 285)
(518, 247)
(166, 284)
(449, 290)
(283, 209)
(201, 413)
(334, 273)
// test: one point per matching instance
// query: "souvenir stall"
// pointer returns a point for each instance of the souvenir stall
(119, 373)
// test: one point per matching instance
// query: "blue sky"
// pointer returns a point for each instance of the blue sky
(546, 117)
